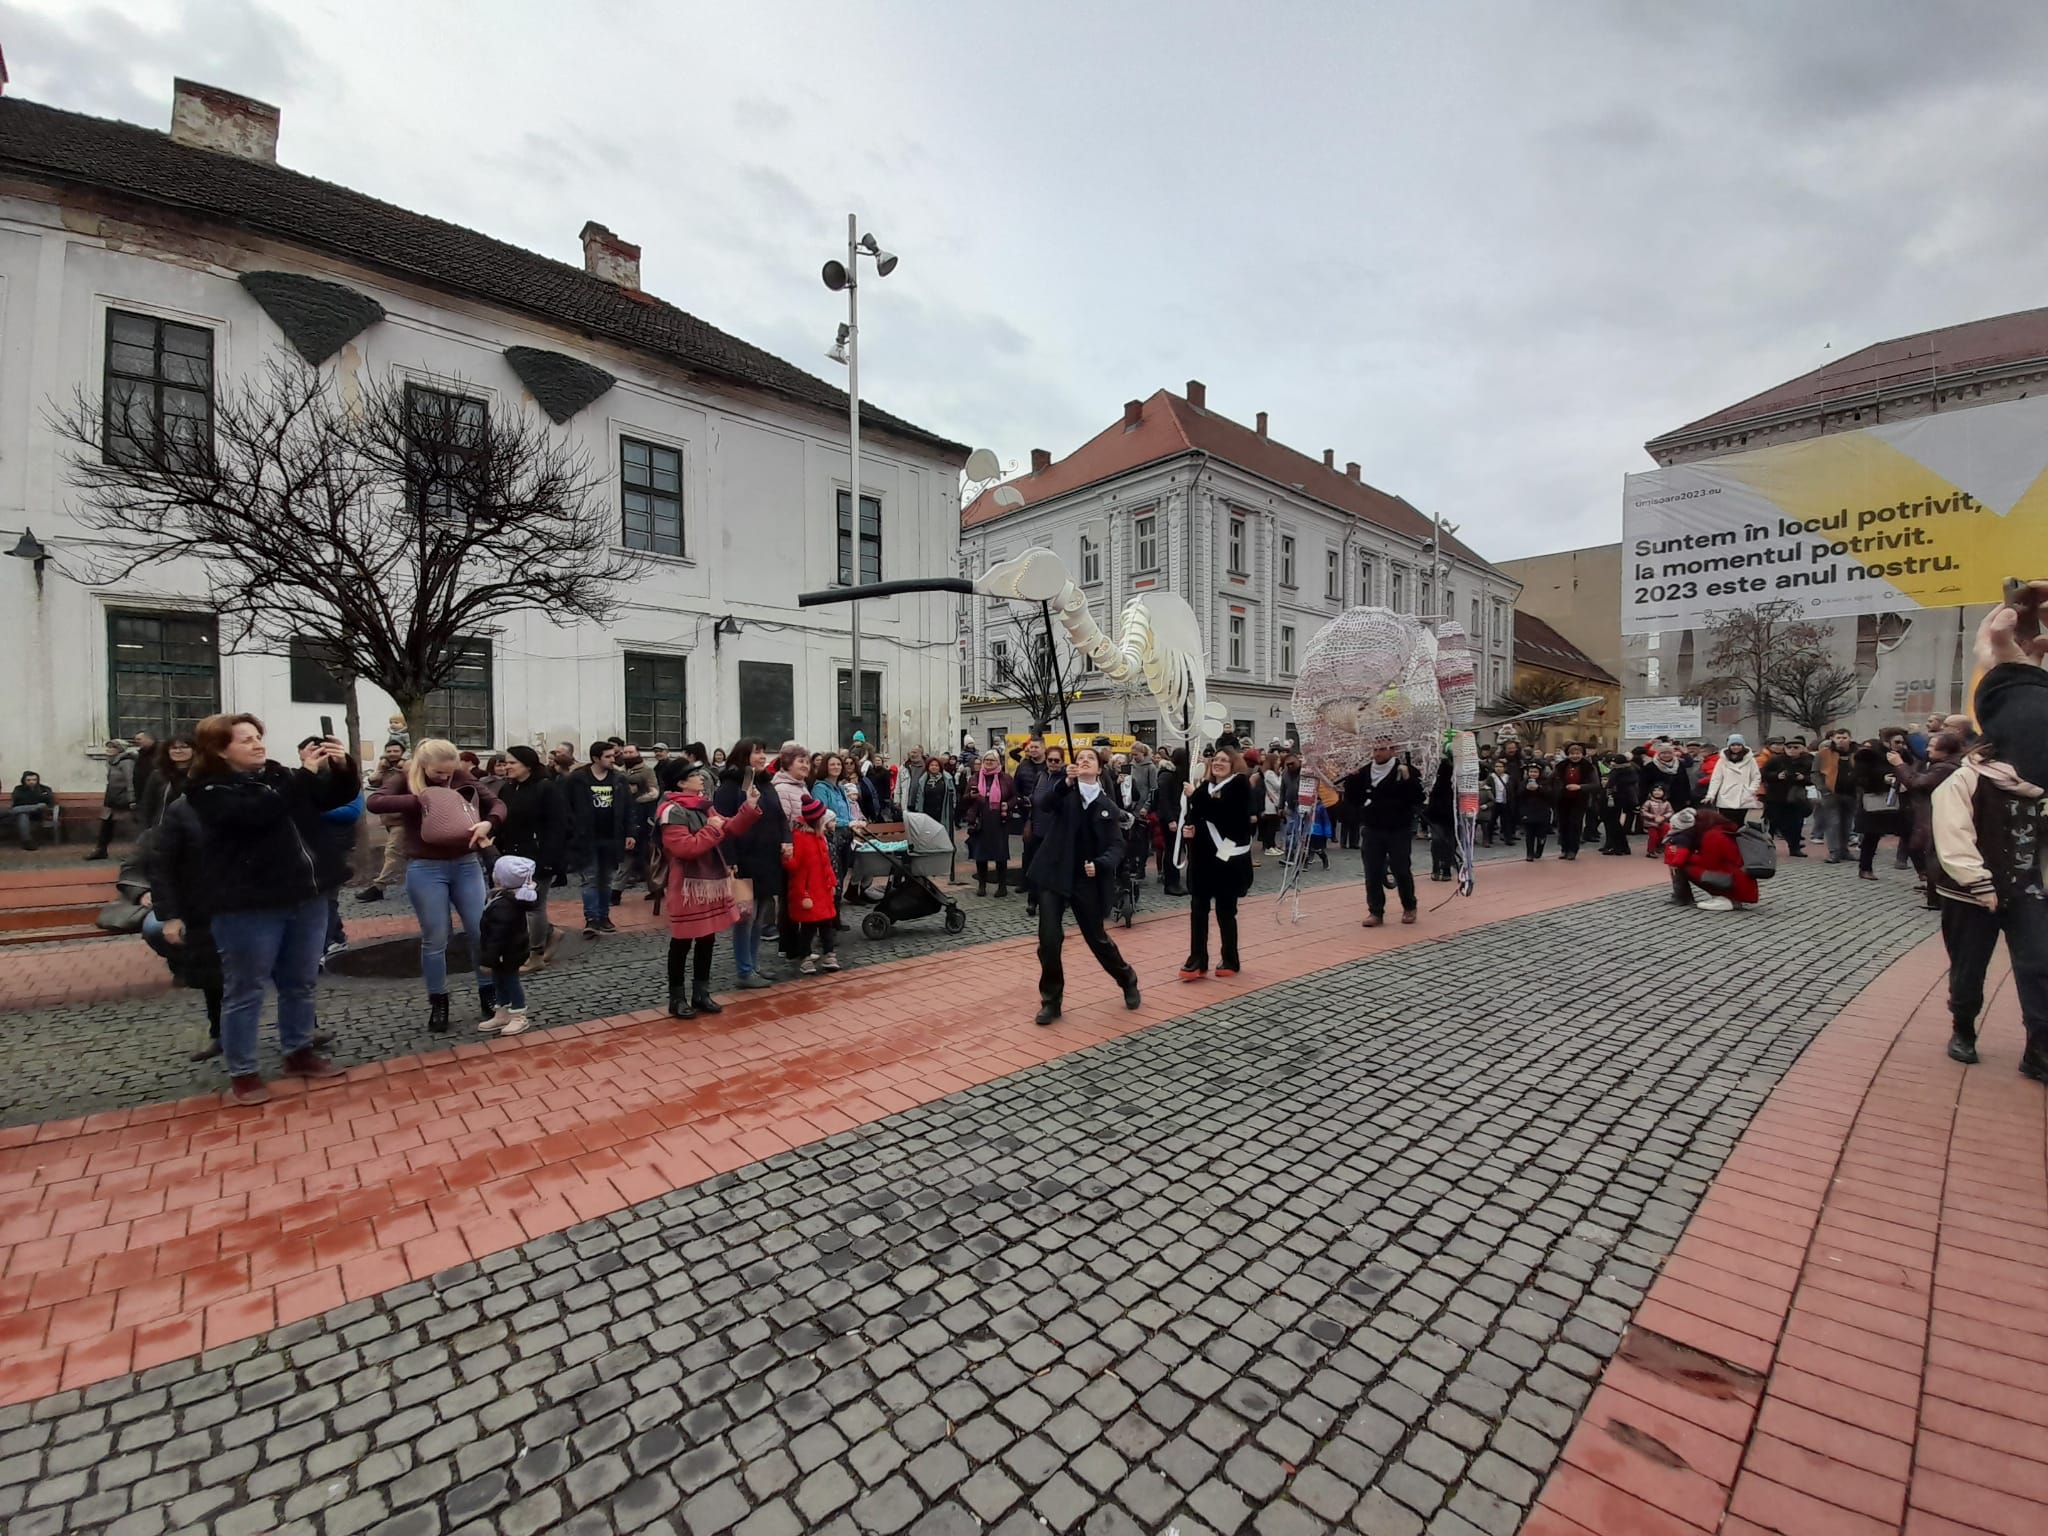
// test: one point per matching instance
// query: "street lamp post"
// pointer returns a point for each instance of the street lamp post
(846, 349)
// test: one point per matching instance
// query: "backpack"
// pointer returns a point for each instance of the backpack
(1759, 853)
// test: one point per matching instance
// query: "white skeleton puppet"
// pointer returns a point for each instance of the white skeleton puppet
(1370, 678)
(1159, 642)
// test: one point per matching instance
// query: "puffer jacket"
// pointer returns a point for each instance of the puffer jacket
(808, 873)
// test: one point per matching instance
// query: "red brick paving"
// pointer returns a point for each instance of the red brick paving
(136, 1236)
(1874, 1256)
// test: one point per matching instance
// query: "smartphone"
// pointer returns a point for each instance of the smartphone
(327, 727)
(2024, 598)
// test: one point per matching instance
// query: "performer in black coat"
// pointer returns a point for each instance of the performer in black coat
(1073, 863)
(1386, 794)
(1216, 826)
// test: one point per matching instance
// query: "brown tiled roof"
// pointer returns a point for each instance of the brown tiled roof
(1886, 366)
(1541, 646)
(1169, 425)
(45, 144)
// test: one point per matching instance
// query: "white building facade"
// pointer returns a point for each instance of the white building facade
(131, 257)
(1266, 543)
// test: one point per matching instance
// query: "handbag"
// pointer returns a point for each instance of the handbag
(741, 889)
(445, 817)
(1873, 801)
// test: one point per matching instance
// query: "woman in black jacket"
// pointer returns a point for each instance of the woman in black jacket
(1216, 826)
(1167, 801)
(755, 854)
(177, 894)
(256, 875)
(1880, 803)
(166, 781)
(1073, 863)
(536, 827)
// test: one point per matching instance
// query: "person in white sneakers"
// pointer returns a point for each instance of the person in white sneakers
(502, 945)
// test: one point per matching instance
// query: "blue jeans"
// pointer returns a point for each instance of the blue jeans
(511, 990)
(436, 885)
(746, 941)
(282, 947)
(598, 872)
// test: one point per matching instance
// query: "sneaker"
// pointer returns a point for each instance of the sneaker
(808, 968)
(753, 981)
(771, 932)
(336, 948)
(370, 893)
(1225, 972)
(247, 1091)
(1193, 972)
(829, 963)
(590, 931)
(607, 926)
(516, 1024)
(1714, 904)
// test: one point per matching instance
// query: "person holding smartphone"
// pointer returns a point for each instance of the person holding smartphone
(255, 875)
(755, 855)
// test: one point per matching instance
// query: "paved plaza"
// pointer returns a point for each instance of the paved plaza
(1395, 1233)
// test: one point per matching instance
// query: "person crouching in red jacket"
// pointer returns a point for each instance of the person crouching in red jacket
(812, 888)
(1712, 861)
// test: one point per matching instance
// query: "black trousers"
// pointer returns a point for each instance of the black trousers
(1614, 826)
(1787, 819)
(1571, 824)
(1052, 933)
(1875, 827)
(1534, 839)
(1198, 931)
(1387, 852)
(689, 963)
(1970, 933)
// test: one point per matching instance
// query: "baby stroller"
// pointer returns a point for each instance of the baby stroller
(1130, 870)
(910, 855)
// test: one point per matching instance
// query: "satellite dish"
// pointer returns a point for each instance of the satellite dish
(1009, 496)
(983, 465)
(835, 276)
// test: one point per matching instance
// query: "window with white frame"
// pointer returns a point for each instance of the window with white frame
(1474, 629)
(1091, 561)
(651, 497)
(1145, 533)
(158, 389)
(1427, 593)
(999, 656)
(1367, 571)
(1397, 589)
(1499, 610)
(1286, 559)
(1237, 642)
(1287, 649)
(1333, 574)
(1237, 565)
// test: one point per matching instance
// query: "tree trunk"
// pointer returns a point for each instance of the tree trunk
(414, 707)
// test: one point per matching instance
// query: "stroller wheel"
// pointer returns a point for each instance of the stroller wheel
(874, 925)
(956, 919)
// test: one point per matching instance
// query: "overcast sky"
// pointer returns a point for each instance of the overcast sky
(1484, 249)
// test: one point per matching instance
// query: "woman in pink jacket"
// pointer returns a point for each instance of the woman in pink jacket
(700, 904)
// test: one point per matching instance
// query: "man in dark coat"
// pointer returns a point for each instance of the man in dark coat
(1167, 800)
(1386, 795)
(1074, 863)
(1788, 777)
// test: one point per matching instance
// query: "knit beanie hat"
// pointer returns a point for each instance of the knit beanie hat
(813, 811)
(514, 874)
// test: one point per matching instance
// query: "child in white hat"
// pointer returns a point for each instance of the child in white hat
(501, 942)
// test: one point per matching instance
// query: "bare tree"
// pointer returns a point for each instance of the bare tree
(1030, 673)
(382, 529)
(1751, 651)
(1811, 691)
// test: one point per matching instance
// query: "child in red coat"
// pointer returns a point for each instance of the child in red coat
(812, 888)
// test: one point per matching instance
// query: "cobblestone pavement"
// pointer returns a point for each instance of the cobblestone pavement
(77, 1058)
(1347, 1252)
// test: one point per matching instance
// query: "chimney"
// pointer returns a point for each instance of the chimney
(207, 117)
(1198, 394)
(1133, 410)
(1262, 423)
(1351, 469)
(1041, 461)
(606, 256)
(1329, 458)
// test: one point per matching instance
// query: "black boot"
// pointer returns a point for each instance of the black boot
(437, 1012)
(106, 839)
(700, 999)
(679, 1003)
(1002, 880)
(1048, 1009)
(2033, 1064)
(1962, 1044)
(487, 999)
(1131, 997)
(981, 885)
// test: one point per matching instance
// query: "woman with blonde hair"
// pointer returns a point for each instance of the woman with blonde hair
(444, 815)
